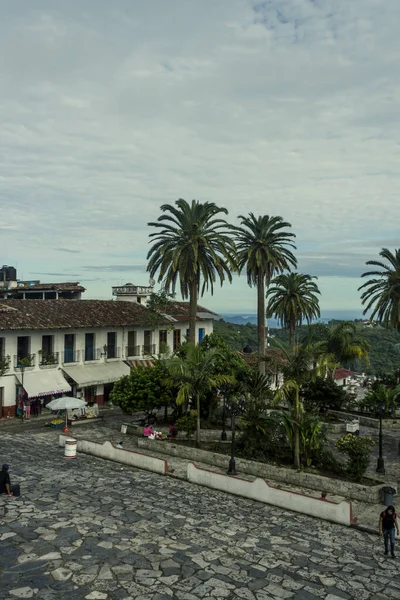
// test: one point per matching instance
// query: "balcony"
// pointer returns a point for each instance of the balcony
(4, 364)
(113, 352)
(91, 354)
(132, 351)
(48, 359)
(24, 362)
(148, 349)
(70, 356)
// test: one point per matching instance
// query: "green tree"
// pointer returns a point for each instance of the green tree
(263, 250)
(292, 298)
(157, 306)
(194, 375)
(145, 389)
(192, 248)
(382, 292)
(382, 397)
(321, 393)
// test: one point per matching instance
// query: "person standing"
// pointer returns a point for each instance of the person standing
(387, 527)
(28, 409)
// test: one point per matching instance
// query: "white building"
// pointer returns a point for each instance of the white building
(51, 347)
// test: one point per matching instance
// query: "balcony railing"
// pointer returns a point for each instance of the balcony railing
(70, 356)
(47, 359)
(92, 354)
(148, 349)
(4, 363)
(113, 352)
(24, 362)
(132, 351)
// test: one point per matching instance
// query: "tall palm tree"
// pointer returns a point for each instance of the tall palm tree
(192, 247)
(194, 375)
(291, 299)
(382, 293)
(263, 249)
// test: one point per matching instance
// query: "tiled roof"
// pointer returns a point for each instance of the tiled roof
(342, 373)
(180, 312)
(57, 287)
(66, 314)
(70, 314)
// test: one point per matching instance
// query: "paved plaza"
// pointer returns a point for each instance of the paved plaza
(91, 529)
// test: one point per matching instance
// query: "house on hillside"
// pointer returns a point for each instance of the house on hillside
(81, 348)
(343, 377)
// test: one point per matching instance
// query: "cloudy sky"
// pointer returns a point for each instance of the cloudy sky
(110, 109)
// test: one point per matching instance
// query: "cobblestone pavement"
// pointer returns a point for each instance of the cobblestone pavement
(87, 529)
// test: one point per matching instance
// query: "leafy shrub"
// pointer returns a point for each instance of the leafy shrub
(358, 450)
(187, 424)
(321, 394)
(325, 460)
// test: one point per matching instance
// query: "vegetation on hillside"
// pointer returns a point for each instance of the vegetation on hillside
(384, 355)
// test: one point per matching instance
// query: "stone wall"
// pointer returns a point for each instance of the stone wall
(367, 421)
(338, 487)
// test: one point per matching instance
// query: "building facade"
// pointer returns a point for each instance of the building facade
(60, 347)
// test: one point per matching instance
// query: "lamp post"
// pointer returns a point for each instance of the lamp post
(232, 463)
(223, 433)
(380, 468)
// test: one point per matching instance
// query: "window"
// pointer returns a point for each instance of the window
(163, 336)
(111, 344)
(147, 342)
(177, 339)
(89, 346)
(202, 333)
(132, 350)
(187, 334)
(2, 347)
(47, 355)
(69, 347)
(23, 347)
(47, 344)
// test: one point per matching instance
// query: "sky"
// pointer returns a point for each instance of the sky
(282, 107)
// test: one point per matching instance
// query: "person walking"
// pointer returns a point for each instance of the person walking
(387, 527)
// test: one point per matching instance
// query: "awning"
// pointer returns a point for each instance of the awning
(140, 363)
(87, 375)
(45, 383)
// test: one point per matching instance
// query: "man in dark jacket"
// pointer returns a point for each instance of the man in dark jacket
(387, 525)
(5, 483)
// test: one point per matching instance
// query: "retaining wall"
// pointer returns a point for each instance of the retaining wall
(262, 491)
(354, 491)
(367, 421)
(127, 457)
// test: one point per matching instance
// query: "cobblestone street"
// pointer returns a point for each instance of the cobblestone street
(90, 529)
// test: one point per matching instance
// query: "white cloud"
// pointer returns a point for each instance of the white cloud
(282, 107)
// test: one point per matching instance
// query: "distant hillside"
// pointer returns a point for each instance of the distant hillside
(384, 352)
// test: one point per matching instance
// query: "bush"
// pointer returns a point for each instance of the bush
(325, 460)
(358, 450)
(187, 424)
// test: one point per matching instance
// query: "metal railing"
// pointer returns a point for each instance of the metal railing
(132, 351)
(92, 354)
(113, 352)
(70, 356)
(47, 359)
(148, 349)
(24, 362)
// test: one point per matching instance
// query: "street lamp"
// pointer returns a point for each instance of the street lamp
(380, 468)
(223, 433)
(232, 463)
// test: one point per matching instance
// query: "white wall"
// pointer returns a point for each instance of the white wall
(261, 491)
(127, 457)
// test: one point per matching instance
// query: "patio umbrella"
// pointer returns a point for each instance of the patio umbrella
(66, 403)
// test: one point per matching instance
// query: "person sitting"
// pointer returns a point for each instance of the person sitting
(5, 483)
(148, 430)
(173, 431)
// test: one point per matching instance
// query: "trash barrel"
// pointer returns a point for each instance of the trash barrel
(388, 495)
(124, 428)
(70, 448)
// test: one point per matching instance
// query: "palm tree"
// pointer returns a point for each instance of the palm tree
(292, 298)
(382, 294)
(194, 375)
(336, 344)
(263, 249)
(192, 248)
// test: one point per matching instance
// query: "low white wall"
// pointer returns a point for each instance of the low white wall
(261, 491)
(126, 457)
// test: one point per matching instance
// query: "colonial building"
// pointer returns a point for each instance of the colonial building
(11, 287)
(81, 348)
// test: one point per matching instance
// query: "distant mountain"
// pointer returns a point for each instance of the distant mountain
(326, 316)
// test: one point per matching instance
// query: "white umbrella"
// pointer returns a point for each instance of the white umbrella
(66, 403)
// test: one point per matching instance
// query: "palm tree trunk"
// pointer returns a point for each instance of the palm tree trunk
(198, 421)
(193, 311)
(292, 335)
(261, 322)
(296, 446)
